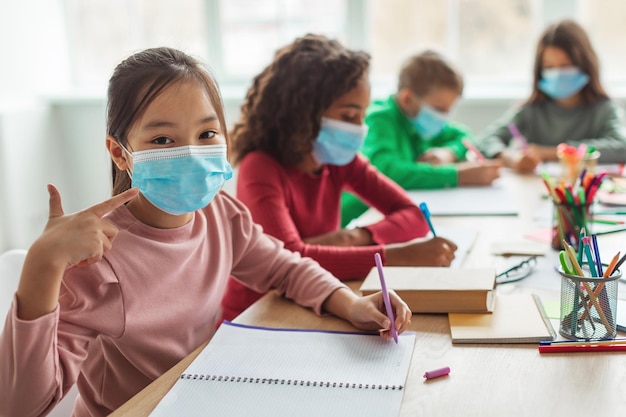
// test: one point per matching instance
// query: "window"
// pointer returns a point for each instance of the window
(491, 41)
(251, 31)
(487, 39)
(603, 21)
(103, 32)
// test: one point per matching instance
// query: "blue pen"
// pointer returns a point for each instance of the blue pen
(596, 252)
(426, 212)
(386, 301)
(580, 245)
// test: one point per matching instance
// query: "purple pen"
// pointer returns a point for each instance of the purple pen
(518, 136)
(383, 287)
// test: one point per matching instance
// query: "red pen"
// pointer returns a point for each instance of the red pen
(581, 348)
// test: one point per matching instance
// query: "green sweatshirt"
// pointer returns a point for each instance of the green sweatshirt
(393, 145)
(599, 125)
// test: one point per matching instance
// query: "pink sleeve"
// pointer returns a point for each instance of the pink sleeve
(265, 196)
(403, 219)
(262, 263)
(41, 358)
(32, 380)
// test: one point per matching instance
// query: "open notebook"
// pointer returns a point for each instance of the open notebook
(252, 371)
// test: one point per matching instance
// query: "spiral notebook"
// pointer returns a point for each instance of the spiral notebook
(265, 372)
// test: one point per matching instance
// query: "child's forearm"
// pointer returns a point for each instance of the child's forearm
(339, 303)
(343, 237)
(38, 290)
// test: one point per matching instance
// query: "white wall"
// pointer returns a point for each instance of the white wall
(33, 61)
(28, 160)
(33, 53)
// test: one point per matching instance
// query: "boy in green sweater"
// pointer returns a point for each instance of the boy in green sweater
(410, 138)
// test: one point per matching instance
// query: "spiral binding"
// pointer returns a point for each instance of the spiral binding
(295, 382)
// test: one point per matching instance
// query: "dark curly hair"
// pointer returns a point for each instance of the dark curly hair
(283, 109)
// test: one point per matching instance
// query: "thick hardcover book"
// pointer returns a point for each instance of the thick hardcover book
(437, 290)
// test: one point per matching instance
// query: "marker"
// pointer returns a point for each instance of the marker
(470, 146)
(436, 373)
(426, 212)
(383, 287)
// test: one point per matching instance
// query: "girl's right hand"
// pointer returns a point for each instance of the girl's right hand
(67, 240)
(434, 252)
(80, 238)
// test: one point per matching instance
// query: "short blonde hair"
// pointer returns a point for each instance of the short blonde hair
(422, 72)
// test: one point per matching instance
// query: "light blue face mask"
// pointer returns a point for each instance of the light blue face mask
(182, 179)
(338, 142)
(429, 122)
(560, 83)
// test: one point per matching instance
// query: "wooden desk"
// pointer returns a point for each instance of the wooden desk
(485, 380)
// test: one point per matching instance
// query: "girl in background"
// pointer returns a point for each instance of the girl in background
(113, 296)
(296, 145)
(568, 105)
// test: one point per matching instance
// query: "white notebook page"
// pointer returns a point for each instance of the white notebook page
(301, 366)
(494, 200)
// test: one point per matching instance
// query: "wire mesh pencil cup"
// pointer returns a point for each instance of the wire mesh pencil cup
(588, 306)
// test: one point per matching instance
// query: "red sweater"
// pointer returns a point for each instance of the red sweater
(292, 206)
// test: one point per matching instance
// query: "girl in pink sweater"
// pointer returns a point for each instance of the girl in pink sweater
(113, 296)
(296, 145)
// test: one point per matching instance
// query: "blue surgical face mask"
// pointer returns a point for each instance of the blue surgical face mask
(429, 122)
(338, 142)
(182, 179)
(560, 83)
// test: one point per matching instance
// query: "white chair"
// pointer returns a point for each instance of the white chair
(10, 270)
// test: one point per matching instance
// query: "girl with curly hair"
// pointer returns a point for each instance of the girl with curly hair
(296, 145)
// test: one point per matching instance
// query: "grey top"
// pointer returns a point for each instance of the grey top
(599, 125)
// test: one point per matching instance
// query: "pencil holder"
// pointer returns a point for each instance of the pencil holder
(588, 306)
(567, 222)
(572, 166)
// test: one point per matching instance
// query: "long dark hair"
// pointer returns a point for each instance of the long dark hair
(137, 81)
(283, 109)
(571, 38)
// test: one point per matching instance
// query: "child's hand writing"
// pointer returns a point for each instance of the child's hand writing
(368, 313)
(433, 252)
(522, 162)
(67, 240)
(478, 173)
(437, 156)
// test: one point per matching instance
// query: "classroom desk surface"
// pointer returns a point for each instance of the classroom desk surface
(485, 380)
